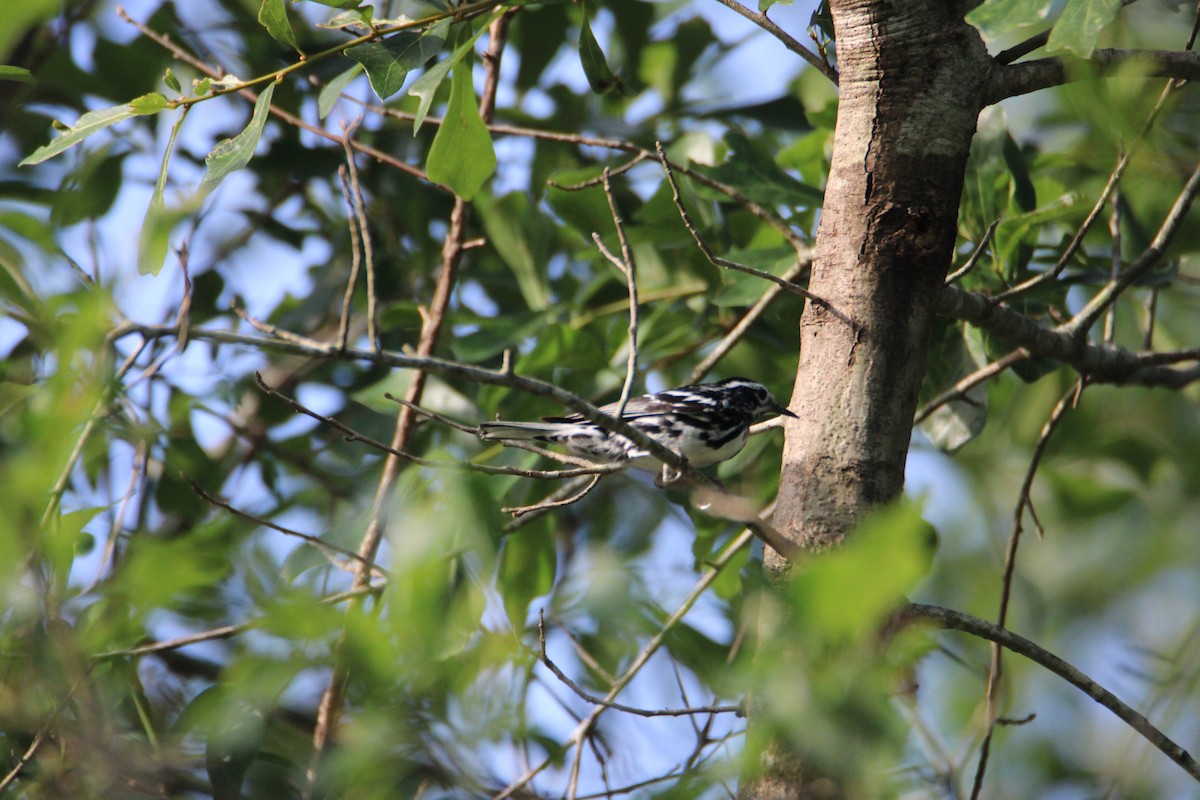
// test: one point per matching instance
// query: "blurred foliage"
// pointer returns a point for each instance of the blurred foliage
(108, 438)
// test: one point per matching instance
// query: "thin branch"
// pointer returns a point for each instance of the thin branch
(584, 727)
(959, 390)
(1086, 317)
(735, 334)
(1044, 73)
(223, 632)
(364, 230)
(355, 253)
(717, 261)
(330, 551)
(628, 268)
(1110, 186)
(520, 511)
(760, 19)
(596, 700)
(956, 620)
(976, 255)
(1024, 501)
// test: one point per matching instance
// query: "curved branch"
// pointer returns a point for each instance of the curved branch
(1043, 73)
(956, 620)
(761, 19)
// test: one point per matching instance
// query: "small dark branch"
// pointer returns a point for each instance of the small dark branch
(272, 330)
(223, 632)
(956, 620)
(547, 506)
(1044, 73)
(600, 701)
(1110, 186)
(628, 268)
(1022, 49)
(357, 206)
(330, 551)
(959, 390)
(599, 180)
(760, 19)
(1024, 501)
(976, 255)
(355, 256)
(352, 435)
(735, 334)
(520, 511)
(717, 261)
(1084, 320)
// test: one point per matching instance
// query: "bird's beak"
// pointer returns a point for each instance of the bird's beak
(783, 410)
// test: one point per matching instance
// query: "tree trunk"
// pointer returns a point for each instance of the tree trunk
(912, 77)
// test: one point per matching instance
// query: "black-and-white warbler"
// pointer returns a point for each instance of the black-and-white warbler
(705, 423)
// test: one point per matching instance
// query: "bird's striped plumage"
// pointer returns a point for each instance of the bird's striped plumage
(705, 423)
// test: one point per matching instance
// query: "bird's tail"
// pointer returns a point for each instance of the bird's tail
(519, 430)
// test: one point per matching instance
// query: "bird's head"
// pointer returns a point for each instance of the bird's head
(754, 397)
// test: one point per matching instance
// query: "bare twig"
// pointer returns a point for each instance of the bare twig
(956, 620)
(355, 254)
(760, 19)
(959, 390)
(520, 511)
(576, 738)
(628, 268)
(1024, 501)
(364, 230)
(1087, 316)
(735, 334)
(975, 256)
(1110, 186)
(717, 261)
(330, 551)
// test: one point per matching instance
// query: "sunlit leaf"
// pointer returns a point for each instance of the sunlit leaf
(595, 66)
(230, 155)
(272, 15)
(388, 62)
(995, 18)
(332, 91)
(89, 123)
(462, 156)
(1080, 24)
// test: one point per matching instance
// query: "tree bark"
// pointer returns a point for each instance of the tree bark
(912, 81)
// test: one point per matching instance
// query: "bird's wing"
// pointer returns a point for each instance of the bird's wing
(649, 405)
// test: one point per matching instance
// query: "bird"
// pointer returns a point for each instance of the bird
(706, 423)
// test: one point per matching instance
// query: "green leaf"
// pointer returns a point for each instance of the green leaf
(333, 90)
(17, 74)
(272, 15)
(845, 594)
(601, 78)
(149, 103)
(1080, 24)
(462, 156)
(527, 568)
(752, 170)
(521, 235)
(89, 123)
(426, 86)
(388, 62)
(154, 238)
(171, 81)
(998, 17)
(230, 155)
